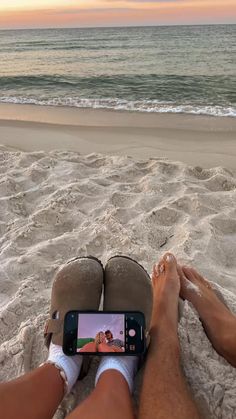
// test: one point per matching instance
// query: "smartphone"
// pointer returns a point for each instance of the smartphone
(104, 333)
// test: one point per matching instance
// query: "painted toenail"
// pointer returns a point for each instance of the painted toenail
(169, 258)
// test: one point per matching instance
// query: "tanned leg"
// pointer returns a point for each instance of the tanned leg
(38, 394)
(110, 399)
(218, 322)
(33, 396)
(165, 394)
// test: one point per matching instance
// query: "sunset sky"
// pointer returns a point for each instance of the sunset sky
(86, 13)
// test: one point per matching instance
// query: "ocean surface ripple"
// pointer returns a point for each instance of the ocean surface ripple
(184, 69)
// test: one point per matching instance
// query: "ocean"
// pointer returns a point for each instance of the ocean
(175, 69)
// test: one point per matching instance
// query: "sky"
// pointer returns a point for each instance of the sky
(94, 13)
(91, 324)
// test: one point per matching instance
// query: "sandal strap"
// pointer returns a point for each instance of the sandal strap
(53, 326)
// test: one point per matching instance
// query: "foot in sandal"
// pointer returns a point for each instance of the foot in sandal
(76, 286)
(127, 287)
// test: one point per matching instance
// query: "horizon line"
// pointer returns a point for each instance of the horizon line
(118, 26)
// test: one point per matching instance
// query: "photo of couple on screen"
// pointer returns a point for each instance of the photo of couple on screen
(100, 333)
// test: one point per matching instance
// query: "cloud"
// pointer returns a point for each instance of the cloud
(79, 11)
(144, 1)
(112, 6)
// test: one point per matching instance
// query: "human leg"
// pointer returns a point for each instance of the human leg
(78, 285)
(126, 287)
(111, 398)
(165, 393)
(218, 321)
(35, 395)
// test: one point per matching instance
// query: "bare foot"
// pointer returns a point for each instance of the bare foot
(166, 288)
(218, 322)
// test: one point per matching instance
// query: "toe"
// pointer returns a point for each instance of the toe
(181, 273)
(183, 282)
(157, 270)
(170, 263)
(180, 270)
(190, 285)
(192, 272)
(193, 276)
(188, 273)
(200, 278)
(155, 273)
(161, 267)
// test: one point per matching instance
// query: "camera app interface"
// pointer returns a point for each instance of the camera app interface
(101, 333)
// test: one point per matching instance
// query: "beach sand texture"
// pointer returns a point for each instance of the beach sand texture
(59, 204)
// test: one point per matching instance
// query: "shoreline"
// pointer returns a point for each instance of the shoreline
(205, 141)
(69, 115)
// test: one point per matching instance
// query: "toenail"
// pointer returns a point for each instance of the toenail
(169, 258)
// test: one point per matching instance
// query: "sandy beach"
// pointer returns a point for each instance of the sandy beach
(196, 140)
(78, 182)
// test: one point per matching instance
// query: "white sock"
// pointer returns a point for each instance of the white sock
(126, 365)
(70, 365)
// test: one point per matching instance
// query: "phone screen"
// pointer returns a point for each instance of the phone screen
(104, 333)
(101, 332)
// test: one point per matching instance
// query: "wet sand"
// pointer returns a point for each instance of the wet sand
(195, 140)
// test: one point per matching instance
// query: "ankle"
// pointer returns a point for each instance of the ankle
(227, 341)
(164, 320)
(110, 379)
(69, 366)
(220, 324)
(125, 365)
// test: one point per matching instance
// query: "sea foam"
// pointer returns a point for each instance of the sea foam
(124, 105)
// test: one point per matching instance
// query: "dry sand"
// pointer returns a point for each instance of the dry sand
(60, 204)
